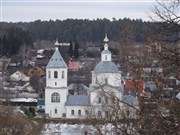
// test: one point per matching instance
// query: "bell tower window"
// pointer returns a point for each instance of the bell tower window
(62, 74)
(49, 74)
(105, 57)
(55, 74)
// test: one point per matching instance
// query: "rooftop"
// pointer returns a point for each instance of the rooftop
(78, 100)
(106, 67)
(56, 61)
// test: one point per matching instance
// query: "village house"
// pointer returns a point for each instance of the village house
(4, 62)
(19, 76)
(36, 71)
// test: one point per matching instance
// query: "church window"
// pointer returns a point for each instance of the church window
(122, 82)
(99, 100)
(55, 97)
(49, 74)
(86, 112)
(62, 74)
(99, 113)
(55, 83)
(55, 74)
(105, 57)
(55, 111)
(79, 112)
(72, 112)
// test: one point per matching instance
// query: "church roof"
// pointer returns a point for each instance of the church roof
(105, 52)
(56, 61)
(106, 67)
(78, 100)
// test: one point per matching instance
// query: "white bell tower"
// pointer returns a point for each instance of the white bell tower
(106, 54)
(56, 85)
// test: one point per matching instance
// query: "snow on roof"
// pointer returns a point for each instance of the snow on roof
(23, 100)
(40, 51)
(178, 96)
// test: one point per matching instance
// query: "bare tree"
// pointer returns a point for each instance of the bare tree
(162, 52)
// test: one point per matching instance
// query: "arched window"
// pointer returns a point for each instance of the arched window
(79, 112)
(55, 74)
(86, 112)
(55, 97)
(62, 74)
(55, 111)
(105, 57)
(49, 74)
(99, 113)
(72, 112)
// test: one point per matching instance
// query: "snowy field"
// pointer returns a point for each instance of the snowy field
(76, 129)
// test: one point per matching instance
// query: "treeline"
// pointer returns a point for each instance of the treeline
(14, 35)
(84, 30)
(12, 38)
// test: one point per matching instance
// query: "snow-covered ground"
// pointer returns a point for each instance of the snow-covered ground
(76, 129)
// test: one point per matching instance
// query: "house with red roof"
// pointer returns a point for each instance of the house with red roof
(138, 86)
(73, 65)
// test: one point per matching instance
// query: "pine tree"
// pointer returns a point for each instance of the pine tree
(70, 49)
(76, 50)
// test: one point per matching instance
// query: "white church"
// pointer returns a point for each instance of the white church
(106, 82)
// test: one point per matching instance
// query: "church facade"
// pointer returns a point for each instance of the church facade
(106, 80)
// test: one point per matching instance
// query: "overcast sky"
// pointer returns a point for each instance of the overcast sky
(31, 10)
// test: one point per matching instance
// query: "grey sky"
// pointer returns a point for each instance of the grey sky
(30, 10)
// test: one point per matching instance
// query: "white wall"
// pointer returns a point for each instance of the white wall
(113, 79)
(56, 82)
(17, 76)
(76, 108)
(51, 106)
(105, 57)
(106, 91)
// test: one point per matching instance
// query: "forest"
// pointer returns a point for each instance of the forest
(84, 30)
(14, 35)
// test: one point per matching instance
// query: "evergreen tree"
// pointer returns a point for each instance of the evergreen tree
(70, 49)
(76, 50)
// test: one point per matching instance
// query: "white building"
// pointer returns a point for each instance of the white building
(56, 90)
(19, 76)
(106, 78)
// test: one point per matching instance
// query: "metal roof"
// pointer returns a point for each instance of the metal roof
(106, 67)
(131, 100)
(105, 52)
(56, 61)
(78, 100)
